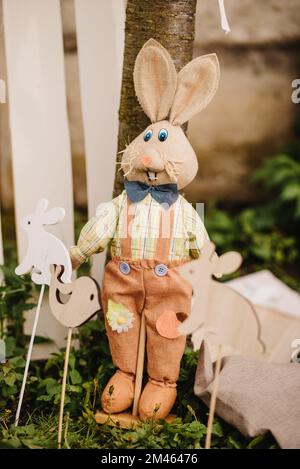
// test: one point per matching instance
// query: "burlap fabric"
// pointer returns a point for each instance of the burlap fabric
(254, 396)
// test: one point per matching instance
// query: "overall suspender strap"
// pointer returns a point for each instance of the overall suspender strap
(126, 221)
(163, 241)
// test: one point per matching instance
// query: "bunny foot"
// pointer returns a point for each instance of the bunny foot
(157, 400)
(118, 393)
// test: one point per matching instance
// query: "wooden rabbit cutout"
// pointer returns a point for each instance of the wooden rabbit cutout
(43, 250)
(49, 261)
(83, 303)
(220, 314)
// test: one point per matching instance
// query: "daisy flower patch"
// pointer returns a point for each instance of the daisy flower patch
(119, 317)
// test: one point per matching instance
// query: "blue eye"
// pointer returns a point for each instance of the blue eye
(148, 135)
(162, 135)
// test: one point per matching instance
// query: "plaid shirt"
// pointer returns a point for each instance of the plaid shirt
(109, 226)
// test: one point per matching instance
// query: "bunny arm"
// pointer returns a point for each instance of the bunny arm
(196, 230)
(97, 233)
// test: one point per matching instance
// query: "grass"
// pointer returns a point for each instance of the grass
(41, 432)
(90, 367)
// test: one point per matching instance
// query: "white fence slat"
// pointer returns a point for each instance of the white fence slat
(100, 40)
(37, 111)
(41, 150)
(2, 103)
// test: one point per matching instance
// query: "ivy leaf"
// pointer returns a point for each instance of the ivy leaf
(75, 377)
(10, 379)
(256, 441)
(290, 192)
(12, 443)
(17, 362)
(29, 444)
(234, 443)
(217, 429)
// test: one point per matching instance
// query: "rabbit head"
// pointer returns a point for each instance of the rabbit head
(162, 153)
(209, 264)
(227, 263)
(40, 217)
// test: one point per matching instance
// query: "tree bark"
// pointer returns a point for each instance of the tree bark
(172, 23)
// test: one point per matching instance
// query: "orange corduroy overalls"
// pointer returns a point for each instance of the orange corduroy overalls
(153, 286)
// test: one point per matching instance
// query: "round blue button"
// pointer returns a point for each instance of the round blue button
(124, 268)
(161, 270)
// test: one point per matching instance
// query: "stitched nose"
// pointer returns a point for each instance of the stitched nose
(146, 160)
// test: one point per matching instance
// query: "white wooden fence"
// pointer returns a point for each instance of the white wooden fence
(39, 128)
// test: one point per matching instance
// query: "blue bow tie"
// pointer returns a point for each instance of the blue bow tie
(163, 193)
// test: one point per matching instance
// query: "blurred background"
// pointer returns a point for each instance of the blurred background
(251, 118)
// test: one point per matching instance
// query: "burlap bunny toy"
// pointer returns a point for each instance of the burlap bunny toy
(150, 230)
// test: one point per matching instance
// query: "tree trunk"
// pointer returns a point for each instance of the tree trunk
(172, 23)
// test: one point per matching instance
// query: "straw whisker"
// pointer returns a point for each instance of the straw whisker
(170, 168)
(130, 153)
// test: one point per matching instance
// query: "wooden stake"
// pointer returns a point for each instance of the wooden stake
(63, 389)
(28, 358)
(213, 400)
(139, 366)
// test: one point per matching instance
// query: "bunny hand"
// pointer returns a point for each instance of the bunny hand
(77, 257)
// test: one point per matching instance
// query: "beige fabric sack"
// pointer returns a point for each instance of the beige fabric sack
(254, 396)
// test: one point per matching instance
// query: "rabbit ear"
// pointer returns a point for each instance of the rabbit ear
(54, 216)
(41, 206)
(228, 263)
(155, 80)
(197, 84)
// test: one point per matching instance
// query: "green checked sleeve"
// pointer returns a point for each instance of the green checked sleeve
(97, 233)
(195, 230)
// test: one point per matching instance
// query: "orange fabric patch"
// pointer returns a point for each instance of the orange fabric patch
(167, 324)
